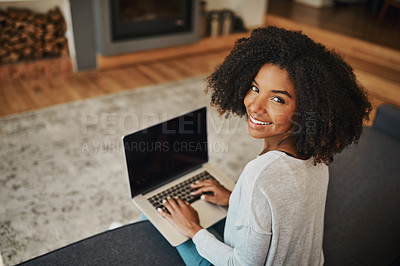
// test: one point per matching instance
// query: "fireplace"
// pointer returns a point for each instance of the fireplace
(126, 26)
(137, 19)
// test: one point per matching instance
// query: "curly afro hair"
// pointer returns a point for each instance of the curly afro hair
(331, 104)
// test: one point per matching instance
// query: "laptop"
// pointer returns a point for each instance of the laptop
(163, 160)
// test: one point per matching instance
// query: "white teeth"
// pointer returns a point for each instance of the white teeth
(258, 122)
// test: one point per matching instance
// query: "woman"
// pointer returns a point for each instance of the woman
(306, 104)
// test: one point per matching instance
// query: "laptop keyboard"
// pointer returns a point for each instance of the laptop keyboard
(181, 190)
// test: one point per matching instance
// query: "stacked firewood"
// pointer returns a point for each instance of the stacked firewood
(25, 35)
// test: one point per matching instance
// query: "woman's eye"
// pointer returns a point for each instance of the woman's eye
(254, 88)
(278, 100)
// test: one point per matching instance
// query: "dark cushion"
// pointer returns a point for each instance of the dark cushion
(387, 120)
(362, 217)
(135, 244)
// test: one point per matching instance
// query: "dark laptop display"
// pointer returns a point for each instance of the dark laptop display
(161, 153)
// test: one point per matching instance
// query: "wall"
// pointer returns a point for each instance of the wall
(251, 11)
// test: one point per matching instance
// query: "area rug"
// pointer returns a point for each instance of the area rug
(62, 170)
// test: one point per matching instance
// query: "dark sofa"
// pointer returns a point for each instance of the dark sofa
(362, 218)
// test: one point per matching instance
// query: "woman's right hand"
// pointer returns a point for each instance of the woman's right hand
(219, 194)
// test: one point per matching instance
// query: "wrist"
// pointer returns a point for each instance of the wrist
(192, 231)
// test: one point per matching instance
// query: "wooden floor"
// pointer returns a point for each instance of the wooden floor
(377, 68)
(23, 96)
(357, 19)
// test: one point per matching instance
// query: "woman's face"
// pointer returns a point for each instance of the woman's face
(270, 103)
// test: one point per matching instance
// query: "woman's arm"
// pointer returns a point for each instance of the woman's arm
(251, 246)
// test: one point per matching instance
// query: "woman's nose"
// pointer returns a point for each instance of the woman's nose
(259, 105)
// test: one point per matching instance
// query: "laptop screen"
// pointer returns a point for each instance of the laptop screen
(161, 153)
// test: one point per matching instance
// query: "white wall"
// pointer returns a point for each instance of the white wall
(251, 11)
(44, 6)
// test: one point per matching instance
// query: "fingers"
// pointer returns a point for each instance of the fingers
(207, 182)
(203, 190)
(164, 213)
(209, 198)
(180, 202)
(204, 187)
(172, 204)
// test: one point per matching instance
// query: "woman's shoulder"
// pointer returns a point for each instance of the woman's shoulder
(276, 166)
(276, 160)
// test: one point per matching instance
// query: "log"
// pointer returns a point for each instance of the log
(49, 37)
(27, 52)
(18, 13)
(40, 20)
(55, 15)
(3, 52)
(2, 17)
(14, 39)
(50, 27)
(13, 57)
(20, 25)
(19, 46)
(30, 28)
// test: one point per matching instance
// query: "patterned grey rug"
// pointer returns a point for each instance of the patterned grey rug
(62, 170)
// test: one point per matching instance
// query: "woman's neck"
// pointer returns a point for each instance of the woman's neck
(281, 143)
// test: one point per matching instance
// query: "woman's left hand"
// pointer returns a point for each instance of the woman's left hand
(182, 216)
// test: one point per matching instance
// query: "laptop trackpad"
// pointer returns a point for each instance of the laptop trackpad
(209, 213)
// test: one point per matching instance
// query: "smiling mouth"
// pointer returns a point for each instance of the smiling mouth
(258, 122)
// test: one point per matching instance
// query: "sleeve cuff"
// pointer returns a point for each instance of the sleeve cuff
(201, 235)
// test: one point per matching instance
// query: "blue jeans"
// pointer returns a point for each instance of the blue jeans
(188, 251)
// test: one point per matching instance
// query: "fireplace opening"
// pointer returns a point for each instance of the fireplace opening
(138, 19)
(124, 26)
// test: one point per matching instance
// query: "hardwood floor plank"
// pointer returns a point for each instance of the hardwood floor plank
(381, 89)
(4, 105)
(104, 82)
(355, 19)
(14, 100)
(383, 72)
(137, 78)
(49, 90)
(127, 77)
(38, 94)
(379, 55)
(61, 89)
(149, 71)
(171, 73)
(82, 86)
(182, 67)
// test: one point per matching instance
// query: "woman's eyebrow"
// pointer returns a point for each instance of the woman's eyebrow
(276, 91)
(282, 92)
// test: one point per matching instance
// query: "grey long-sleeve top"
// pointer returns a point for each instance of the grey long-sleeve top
(275, 215)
